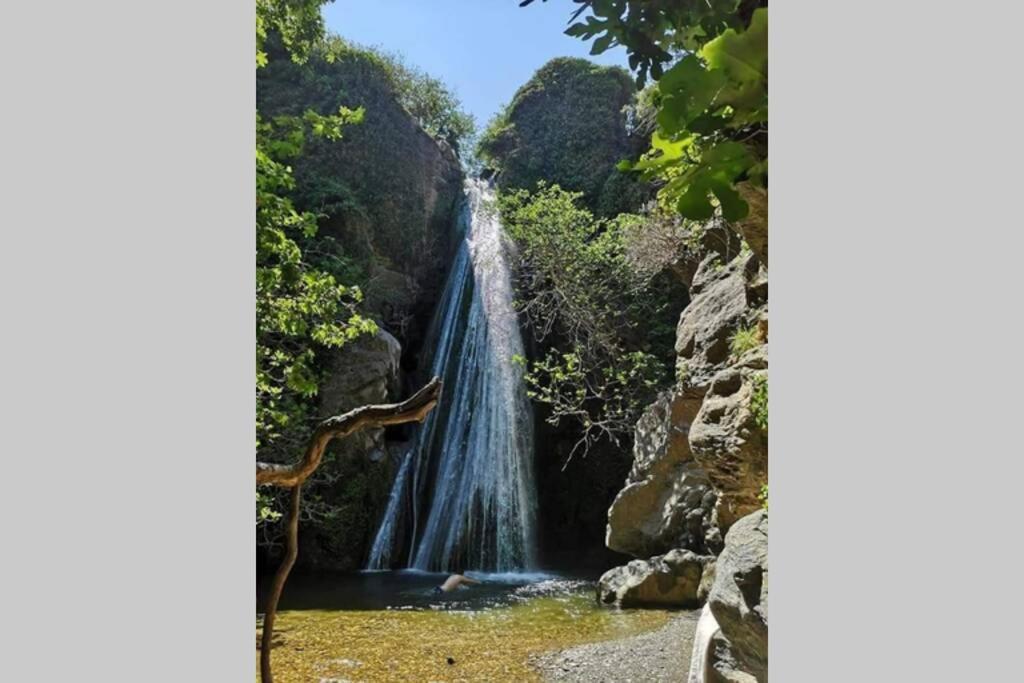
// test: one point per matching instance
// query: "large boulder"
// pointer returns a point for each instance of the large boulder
(362, 372)
(667, 501)
(354, 478)
(739, 602)
(670, 580)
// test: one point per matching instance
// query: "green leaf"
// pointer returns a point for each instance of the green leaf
(694, 203)
(742, 56)
(602, 44)
(733, 206)
(743, 59)
(687, 90)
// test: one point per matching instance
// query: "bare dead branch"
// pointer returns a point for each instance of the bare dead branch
(413, 409)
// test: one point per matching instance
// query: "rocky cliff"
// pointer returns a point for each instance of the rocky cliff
(700, 455)
(387, 191)
(387, 194)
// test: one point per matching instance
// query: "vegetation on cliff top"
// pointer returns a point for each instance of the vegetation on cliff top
(567, 126)
(710, 61)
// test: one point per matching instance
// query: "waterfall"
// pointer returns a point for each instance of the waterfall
(464, 495)
(706, 627)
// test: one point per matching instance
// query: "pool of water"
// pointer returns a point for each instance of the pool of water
(412, 589)
(391, 626)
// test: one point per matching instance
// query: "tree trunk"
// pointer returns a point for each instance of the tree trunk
(413, 409)
(270, 611)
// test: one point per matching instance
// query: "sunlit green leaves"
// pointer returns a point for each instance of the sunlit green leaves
(297, 22)
(299, 308)
(742, 57)
(703, 100)
(687, 91)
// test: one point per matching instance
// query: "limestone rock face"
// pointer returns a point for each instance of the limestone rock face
(700, 456)
(723, 435)
(672, 579)
(726, 440)
(667, 501)
(721, 300)
(739, 602)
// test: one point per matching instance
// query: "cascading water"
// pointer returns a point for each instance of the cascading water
(464, 495)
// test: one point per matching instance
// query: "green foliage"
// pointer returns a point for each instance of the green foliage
(297, 23)
(682, 370)
(430, 101)
(433, 103)
(710, 59)
(265, 511)
(300, 309)
(609, 328)
(763, 497)
(745, 339)
(759, 402)
(566, 126)
(492, 145)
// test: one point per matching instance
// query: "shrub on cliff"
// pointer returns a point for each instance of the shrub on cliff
(607, 327)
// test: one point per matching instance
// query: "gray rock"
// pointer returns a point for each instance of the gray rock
(718, 307)
(361, 372)
(672, 579)
(722, 665)
(661, 505)
(726, 441)
(739, 602)
(714, 238)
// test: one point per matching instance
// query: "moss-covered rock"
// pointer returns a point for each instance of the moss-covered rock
(387, 191)
(568, 126)
(387, 194)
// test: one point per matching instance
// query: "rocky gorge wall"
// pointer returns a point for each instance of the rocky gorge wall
(692, 507)
(387, 194)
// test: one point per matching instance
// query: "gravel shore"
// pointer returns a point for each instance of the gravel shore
(661, 656)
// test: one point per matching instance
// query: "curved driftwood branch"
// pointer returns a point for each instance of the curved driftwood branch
(413, 409)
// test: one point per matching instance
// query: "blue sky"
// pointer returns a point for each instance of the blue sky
(483, 49)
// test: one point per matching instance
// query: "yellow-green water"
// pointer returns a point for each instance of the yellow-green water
(492, 644)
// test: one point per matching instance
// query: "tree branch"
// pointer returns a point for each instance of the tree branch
(413, 409)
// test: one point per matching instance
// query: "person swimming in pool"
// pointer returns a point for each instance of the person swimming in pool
(453, 582)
